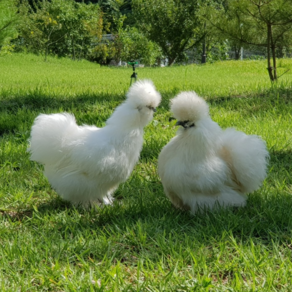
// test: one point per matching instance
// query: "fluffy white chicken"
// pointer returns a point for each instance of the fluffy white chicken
(205, 166)
(86, 164)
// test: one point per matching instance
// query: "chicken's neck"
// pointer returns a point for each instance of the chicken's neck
(198, 142)
(126, 120)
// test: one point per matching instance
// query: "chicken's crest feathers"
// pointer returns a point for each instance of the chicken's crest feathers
(143, 93)
(137, 110)
(188, 106)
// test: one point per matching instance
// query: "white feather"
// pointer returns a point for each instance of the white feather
(86, 164)
(204, 166)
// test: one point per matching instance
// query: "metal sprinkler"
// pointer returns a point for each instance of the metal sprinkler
(134, 74)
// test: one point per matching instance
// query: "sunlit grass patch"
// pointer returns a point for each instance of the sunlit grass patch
(142, 243)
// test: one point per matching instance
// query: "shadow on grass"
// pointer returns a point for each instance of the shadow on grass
(40, 101)
(21, 108)
(266, 217)
(271, 100)
(20, 111)
(281, 93)
(36, 100)
(283, 158)
(144, 212)
(144, 225)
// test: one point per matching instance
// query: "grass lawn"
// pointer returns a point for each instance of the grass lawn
(142, 243)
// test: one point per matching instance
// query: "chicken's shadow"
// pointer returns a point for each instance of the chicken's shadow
(143, 219)
(263, 220)
(142, 222)
(266, 217)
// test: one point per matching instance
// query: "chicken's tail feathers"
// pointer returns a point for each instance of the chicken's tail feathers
(47, 136)
(247, 157)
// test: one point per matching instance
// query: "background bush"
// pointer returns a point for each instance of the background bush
(8, 21)
(63, 28)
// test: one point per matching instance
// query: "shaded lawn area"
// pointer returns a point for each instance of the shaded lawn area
(142, 243)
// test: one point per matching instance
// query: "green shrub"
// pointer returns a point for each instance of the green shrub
(63, 28)
(8, 20)
(128, 44)
(136, 46)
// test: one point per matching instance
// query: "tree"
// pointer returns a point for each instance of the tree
(135, 46)
(262, 23)
(174, 25)
(64, 28)
(114, 10)
(8, 18)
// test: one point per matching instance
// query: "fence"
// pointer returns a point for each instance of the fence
(215, 54)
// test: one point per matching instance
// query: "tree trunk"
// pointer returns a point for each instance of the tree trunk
(46, 52)
(175, 51)
(81, 51)
(237, 53)
(204, 57)
(270, 68)
(273, 47)
(158, 60)
(73, 48)
(171, 61)
(274, 62)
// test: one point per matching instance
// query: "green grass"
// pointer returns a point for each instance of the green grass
(142, 243)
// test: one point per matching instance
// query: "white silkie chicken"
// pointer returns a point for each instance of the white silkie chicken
(86, 164)
(204, 166)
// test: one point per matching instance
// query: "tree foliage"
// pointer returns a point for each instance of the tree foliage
(135, 46)
(64, 28)
(126, 45)
(113, 10)
(260, 23)
(8, 19)
(174, 25)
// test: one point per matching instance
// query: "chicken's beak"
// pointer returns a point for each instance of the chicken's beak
(152, 108)
(180, 123)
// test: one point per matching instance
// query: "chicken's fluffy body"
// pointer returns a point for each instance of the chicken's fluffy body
(204, 166)
(86, 164)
